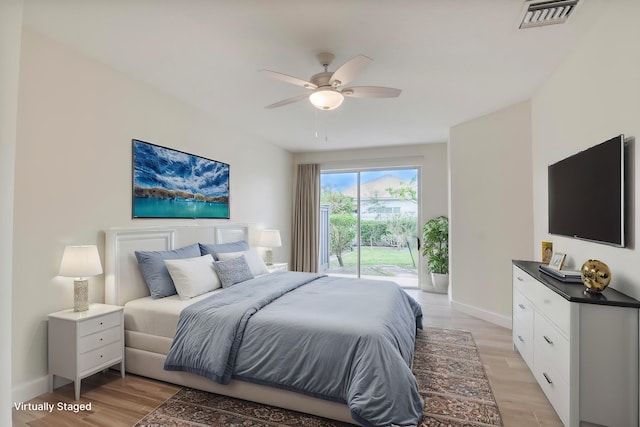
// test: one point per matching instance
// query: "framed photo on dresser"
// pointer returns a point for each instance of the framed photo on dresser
(557, 260)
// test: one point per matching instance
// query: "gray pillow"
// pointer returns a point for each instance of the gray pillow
(154, 270)
(223, 248)
(232, 271)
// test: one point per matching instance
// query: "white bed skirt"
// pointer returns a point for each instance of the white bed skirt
(151, 365)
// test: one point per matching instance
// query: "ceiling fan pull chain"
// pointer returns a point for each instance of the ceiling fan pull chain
(326, 132)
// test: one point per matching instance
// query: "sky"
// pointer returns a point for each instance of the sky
(341, 180)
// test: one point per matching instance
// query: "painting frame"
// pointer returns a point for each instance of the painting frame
(169, 183)
(557, 260)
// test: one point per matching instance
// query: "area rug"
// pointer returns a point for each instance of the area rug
(447, 366)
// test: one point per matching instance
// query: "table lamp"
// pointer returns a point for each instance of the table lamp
(80, 262)
(270, 239)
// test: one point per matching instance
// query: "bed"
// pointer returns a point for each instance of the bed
(155, 333)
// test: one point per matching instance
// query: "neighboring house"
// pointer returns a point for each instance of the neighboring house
(376, 203)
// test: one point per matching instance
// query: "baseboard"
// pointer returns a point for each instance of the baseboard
(489, 316)
(27, 391)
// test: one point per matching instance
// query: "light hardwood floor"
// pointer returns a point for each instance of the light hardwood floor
(119, 402)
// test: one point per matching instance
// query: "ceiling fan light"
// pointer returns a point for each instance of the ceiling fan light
(326, 99)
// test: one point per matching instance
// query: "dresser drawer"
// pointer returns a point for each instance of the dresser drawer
(523, 340)
(99, 339)
(552, 348)
(556, 389)
(101, 356)
(99, 323)
(556, 308)
(552, 305)
(523, 309)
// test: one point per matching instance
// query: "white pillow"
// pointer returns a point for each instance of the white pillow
(256, 264)
(193, 276)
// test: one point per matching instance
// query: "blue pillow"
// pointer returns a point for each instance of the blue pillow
(154, 270)
(232, 271)
(223, 248)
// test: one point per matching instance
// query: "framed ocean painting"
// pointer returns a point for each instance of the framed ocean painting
(168, 183)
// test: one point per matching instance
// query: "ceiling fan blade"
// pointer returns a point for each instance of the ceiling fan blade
(349, 70)
(288, 101)
(289, 79)
(371, 92)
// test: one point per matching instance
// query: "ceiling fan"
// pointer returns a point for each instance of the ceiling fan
(327, 91)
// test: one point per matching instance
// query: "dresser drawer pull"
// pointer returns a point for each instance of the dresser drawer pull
(522, 306)
(520, 279)
(547, 339)
(520, 338)
(546, 377)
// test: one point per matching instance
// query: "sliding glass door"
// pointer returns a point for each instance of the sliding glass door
(369, 225)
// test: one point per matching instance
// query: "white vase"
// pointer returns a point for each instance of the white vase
(440, 282)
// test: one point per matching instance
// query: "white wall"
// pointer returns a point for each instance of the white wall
(10, 35)
(592, 96)
(430, 158)
(491, 209)
(76, 120)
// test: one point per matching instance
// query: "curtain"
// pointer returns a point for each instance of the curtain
(306, 220)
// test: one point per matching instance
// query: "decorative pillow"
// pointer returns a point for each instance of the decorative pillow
(222, 248)
(232, 271)
(256, 264)
(155, 273)
(193, 276)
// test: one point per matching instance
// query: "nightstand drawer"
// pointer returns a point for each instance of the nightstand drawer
(100, 356)
(278, 266)
(100, 323)
(99, 339)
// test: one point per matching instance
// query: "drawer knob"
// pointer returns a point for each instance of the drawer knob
(522, 306)
(520, 338)
(100, 323)
(520, 279)
(546, 377)
(547, 339)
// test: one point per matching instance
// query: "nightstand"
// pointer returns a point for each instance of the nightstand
(82, 343)
(278, 266)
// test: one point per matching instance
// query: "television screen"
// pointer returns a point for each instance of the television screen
(586, 194)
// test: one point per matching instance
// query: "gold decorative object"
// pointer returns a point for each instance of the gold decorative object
(595, 275)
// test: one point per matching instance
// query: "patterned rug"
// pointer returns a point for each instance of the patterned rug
(447, 366)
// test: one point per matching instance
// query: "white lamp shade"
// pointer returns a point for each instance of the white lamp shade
(80, 261)
(326, 99)
(270, 239)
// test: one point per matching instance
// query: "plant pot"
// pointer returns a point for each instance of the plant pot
(440, 282)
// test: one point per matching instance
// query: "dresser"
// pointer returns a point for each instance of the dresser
(582, 348)
(85, 342)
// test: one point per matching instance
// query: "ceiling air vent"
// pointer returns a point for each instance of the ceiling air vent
(538, 13)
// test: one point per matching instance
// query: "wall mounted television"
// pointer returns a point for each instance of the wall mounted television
(587, 194)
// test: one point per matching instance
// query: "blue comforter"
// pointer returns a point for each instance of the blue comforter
(339, 339)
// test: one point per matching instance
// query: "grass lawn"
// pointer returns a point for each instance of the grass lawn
(376, 255)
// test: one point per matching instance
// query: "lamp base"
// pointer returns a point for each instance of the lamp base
(80, 295)
(268, 257)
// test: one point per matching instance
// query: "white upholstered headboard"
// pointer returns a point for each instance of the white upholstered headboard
(123, 281)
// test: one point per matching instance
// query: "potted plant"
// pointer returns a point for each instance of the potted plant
(435, 234)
